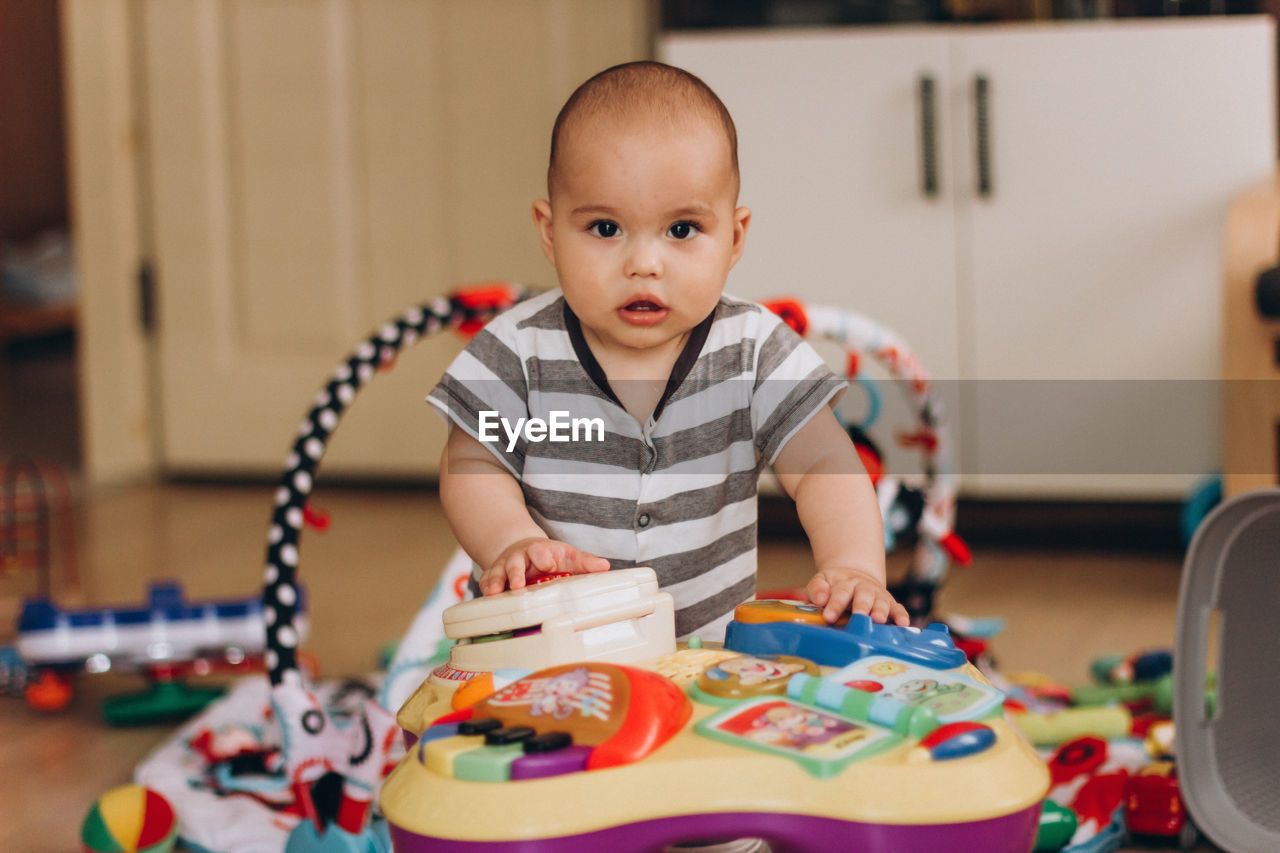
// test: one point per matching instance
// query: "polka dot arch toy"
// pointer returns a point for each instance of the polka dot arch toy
(314, 746)
(465, 311)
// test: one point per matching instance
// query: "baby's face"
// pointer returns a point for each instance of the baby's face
(643, 230)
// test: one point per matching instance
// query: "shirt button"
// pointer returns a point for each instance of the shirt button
(643, 520)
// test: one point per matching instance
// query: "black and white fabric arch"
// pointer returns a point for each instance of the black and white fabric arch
(466, 310)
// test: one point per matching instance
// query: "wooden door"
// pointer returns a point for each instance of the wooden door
(1090, 282)
(314, 168)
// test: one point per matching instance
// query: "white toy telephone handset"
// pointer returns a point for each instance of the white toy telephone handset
(616, 616)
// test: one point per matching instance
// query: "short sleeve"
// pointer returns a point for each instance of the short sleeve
(792, 384)
(484, 388)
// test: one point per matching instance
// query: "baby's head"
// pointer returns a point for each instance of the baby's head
(641, 220)
(654, 95)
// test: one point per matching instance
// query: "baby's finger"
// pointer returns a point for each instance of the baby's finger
(863, 599)
(493, 580)
(838, 601)
(514, 567)
(543, 556)
(880, 610)
(899, 615)
(818, 590)
(581, 562)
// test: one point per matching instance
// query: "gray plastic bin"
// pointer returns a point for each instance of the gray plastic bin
(1229, 763)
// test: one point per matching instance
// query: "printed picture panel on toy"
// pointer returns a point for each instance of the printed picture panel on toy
(952, 696)
(589, 701)
(821, 742)
(746, 676)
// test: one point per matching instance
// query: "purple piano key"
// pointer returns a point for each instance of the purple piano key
(538, 765)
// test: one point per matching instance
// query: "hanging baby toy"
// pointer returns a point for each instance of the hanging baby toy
(320, 755)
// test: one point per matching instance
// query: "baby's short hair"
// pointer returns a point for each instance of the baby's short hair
(642, 86)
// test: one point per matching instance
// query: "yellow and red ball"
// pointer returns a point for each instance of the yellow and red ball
(129, 819)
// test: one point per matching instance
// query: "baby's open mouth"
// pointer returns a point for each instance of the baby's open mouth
(643, 311)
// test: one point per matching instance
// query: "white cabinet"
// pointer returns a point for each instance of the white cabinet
(1074, 299)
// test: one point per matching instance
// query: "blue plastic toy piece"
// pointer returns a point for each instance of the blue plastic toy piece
(305, 838)
(165, 601)
(13, 671)
(829, 646)
(1206, 495)
(1109, 839)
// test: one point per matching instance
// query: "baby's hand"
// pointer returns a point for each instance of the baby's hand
(530, 558)
(838, 590)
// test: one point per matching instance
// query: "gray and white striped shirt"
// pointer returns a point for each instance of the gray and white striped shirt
(677, 493)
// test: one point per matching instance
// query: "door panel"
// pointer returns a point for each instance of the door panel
(829, 129)
(1093, 280)
(316, 167)
(831, 156)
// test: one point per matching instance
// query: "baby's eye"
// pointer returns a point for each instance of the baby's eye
(603, 228)
(683, 230)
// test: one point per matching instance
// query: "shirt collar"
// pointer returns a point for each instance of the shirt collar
(684, 362)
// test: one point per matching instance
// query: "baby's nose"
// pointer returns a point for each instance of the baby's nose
(644, 259)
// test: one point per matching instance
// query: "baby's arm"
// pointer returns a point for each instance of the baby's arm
(486, 509)
(820, 469)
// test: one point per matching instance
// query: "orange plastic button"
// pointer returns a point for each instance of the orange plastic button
(773, 610)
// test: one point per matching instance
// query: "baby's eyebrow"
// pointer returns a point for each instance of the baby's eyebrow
(594, 210)
(699, 210)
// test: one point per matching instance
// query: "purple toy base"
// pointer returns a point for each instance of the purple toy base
(1012, 833)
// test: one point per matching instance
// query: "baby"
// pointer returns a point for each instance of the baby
(638, 402)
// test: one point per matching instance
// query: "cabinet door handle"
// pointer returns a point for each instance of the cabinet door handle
(982, 126)
(928, 138)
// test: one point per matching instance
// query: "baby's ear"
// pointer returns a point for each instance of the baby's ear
(741, 219)
(542, 221)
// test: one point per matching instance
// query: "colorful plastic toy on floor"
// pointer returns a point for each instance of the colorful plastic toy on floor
(166, 638)
(1224, 781)
(893, 742)
(1111, 761)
